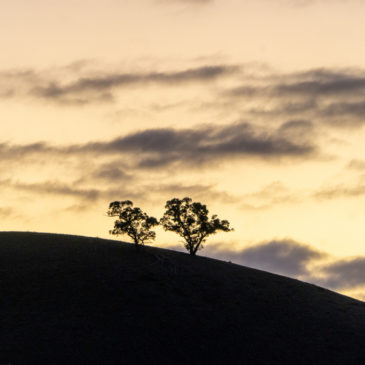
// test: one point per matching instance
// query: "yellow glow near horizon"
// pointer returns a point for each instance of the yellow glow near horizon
(78, 72)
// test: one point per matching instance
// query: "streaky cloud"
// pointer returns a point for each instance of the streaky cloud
(157, 148)
(330, 97)
(106, 84)
(340, 191)
(205, 143)
(269, 196)
(57, 188)
(354, 109)
(312, 83)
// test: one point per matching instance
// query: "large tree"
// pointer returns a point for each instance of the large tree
(190, 220)
(132, 221)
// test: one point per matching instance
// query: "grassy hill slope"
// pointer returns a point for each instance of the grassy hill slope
(77, 300)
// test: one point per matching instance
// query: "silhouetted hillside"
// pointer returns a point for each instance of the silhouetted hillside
(77, 300)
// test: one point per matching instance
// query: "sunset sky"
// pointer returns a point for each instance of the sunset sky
(255, 108)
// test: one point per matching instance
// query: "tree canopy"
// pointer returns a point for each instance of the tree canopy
(190, 220)
(132, 221)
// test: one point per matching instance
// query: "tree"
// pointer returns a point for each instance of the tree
(132, 221)
(190, 220)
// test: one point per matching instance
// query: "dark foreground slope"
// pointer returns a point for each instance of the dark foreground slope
(77, 300)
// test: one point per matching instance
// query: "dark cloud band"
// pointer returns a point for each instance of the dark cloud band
(154, 148)
(285, 257)
(290, 258)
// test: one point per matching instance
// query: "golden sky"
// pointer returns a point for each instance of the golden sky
(255, 108)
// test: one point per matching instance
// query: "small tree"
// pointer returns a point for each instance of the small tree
(132, 222)
(190, 220)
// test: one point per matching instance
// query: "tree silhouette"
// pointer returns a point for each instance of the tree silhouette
(132, 221)
(190, 220)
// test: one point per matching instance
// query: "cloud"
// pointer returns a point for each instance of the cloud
(102, 87)
(56, 188)
(331, 96)
(161, 147)
(157, 148)
(269, 196)
(296, 128)
(6, 212)
(79, 84)
(14, 151)
(339, 191)
(110, 172)
(116, 189)
(290, 258)
(343, 274)
(356, 164)
(200, 192)
(94, 193)
(354, 109)
(338, 86)
(117, 169)
(312, 83)
(324, 96)
(294, 259)
(286, 257)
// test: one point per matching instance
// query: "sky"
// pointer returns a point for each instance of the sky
(255, 108)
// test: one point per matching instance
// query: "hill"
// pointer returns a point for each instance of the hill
(78, 300)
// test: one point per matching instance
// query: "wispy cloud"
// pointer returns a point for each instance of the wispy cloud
(117, 169)
(56, 188)
(270, 196)
(332, 97)
(340, 191)
(316, 82)
(90, 191)
(70, 85)
(326, 96)
(107, 82)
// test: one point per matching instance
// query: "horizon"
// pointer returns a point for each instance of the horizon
(254, 108)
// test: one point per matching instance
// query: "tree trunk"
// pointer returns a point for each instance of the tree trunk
(198, 245)
(196, 249)
(137, 246)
